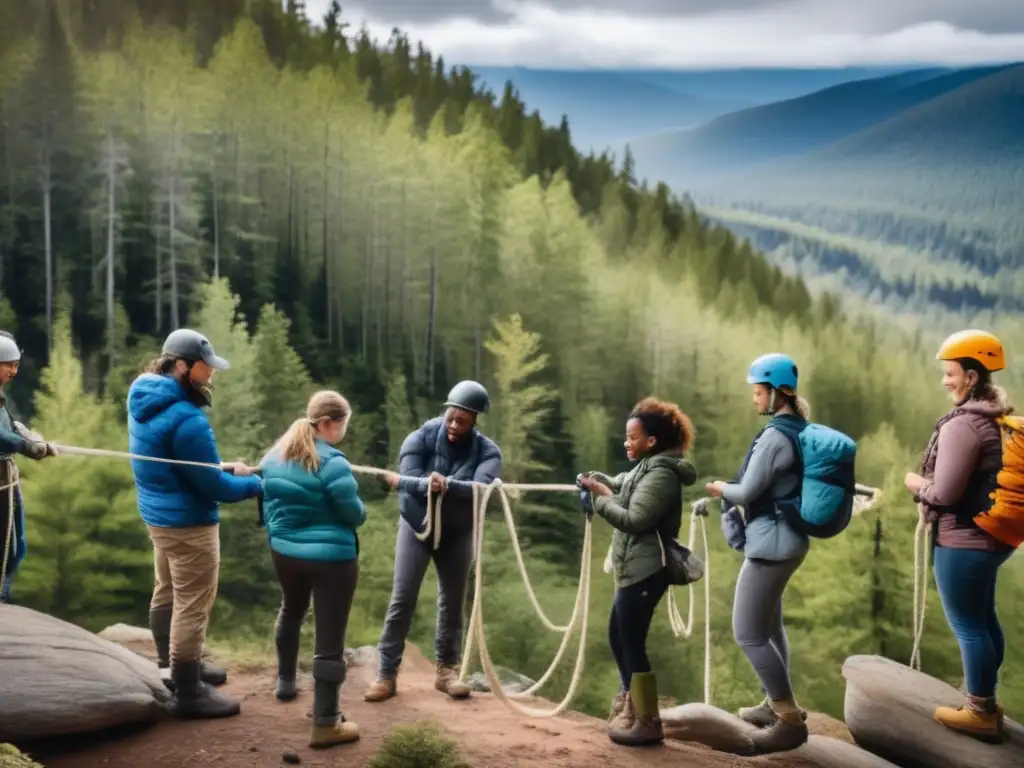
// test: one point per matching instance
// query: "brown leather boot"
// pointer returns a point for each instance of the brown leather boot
(621, 707)
(979, 718)
(789, 730)
(763, 715)
(382, 689)
(645, 729)
(447, 681)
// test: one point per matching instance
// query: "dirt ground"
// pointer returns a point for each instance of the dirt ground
(490, 735)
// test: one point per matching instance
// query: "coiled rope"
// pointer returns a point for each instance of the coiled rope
(475, 631)
(922, 550)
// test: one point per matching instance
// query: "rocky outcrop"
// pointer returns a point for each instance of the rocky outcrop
(511, 682)
(889, 709)
(57, 678)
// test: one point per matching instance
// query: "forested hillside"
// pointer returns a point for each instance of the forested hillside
(334, 213)
(934, 188)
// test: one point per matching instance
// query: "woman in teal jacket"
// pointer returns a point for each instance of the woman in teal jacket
(311, 508)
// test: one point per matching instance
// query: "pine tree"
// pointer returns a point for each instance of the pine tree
(89, 558)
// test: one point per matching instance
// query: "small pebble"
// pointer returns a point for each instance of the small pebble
(291, 757)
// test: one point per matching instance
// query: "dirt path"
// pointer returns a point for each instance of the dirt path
(490, 735)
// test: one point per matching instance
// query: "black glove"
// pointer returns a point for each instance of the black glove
(585, 498)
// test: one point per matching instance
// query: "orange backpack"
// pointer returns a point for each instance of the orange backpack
(1005, 518)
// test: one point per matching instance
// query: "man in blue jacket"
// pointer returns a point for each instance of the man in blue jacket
(14, 439)
(447, 454)
(180, 505)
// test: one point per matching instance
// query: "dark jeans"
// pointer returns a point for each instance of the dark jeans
(452, 560)
(967, 585)
(332, 586)
(630, 621)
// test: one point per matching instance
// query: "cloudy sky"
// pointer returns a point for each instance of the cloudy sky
(700, 33)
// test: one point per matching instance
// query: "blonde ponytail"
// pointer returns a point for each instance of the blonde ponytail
(803, 408)
(299, 445)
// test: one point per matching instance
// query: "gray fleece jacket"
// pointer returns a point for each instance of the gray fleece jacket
(771, 473)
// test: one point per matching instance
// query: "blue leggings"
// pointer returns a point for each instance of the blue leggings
(967, 585)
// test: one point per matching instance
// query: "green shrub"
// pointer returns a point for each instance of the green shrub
(420, 745)
(10, 757)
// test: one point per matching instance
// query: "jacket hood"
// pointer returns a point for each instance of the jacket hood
(151, 394)
(684, 469)
(1000, 406)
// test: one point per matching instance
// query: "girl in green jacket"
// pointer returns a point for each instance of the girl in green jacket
(312, 509)
(644, 506)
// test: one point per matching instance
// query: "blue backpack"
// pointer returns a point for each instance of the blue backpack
(823, 506)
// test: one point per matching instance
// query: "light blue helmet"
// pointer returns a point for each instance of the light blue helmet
(775, 369)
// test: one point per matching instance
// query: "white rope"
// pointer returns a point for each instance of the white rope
(475, 632)
(922, 550)
(12, 468)
(684, 629)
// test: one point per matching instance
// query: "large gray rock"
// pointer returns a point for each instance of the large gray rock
(57, 678)
(511, 681)
(889, 709)
(725, 732)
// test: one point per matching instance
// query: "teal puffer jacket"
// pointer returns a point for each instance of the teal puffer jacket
(313, 515)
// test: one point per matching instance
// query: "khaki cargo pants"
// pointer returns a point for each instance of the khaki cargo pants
(187, 567)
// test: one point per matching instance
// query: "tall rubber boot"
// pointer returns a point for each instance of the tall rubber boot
(646, 728)
(329, 725)
(194, 699)
(286, 637)
(160, 626)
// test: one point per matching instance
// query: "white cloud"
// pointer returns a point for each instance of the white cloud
(799, 33)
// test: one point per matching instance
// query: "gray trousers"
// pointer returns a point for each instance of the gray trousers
(452, 561)
(757, 621)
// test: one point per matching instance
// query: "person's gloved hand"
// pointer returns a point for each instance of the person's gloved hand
(38, 450)
(585, 497)
(700, 507)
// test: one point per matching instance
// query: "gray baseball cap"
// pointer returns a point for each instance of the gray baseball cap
(9, 351)
(191, 346)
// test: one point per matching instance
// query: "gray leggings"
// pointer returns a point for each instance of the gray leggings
(757, 621)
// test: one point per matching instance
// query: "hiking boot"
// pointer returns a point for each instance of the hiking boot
(646, 726)
(623, 714)
(981, 719)
(286, 638)
(329, 724)
(195, 699)
(763, 715)
(447, 681)
(789, 730)
(382, 689)
(160, 626)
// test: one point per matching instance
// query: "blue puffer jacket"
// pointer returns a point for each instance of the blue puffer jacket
(313, 515)
(164, 423)
(474, 459)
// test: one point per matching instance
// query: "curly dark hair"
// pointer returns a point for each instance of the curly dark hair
(666, 423)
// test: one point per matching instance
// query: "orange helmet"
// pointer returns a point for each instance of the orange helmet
(974, 345)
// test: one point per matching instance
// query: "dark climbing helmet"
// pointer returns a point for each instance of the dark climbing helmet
(191, 346)
(9, 352)
(469, 396)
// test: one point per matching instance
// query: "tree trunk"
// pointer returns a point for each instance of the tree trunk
(111, 201)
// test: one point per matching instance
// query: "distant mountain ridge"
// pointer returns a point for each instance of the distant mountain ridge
(607, 108)
(755, 135)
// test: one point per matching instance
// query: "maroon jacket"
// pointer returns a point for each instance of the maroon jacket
(960, 463)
